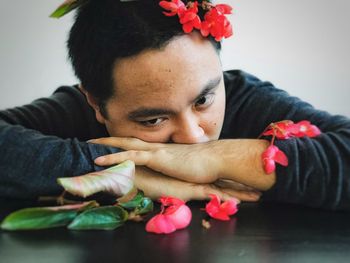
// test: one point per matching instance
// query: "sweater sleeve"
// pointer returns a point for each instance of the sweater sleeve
(318, 173)
(46, 140)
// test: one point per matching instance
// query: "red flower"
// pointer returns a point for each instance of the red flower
(221, 211)
(173, 7)
(189, 18)
(177, 215)
(287, 129)
(282, 129)
(216, 24)
(305, 128)
(271, 156)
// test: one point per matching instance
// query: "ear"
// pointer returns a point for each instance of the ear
(94, 104)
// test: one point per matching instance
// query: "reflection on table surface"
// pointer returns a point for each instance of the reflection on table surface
(258, 233)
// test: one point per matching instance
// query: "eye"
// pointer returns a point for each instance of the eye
(205, 101)
(152, 122)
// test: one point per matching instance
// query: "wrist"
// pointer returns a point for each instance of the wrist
(240, 161)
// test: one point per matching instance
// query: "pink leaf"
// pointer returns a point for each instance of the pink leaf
(117, 180)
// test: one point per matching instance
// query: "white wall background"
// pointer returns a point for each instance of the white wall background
(301, 46)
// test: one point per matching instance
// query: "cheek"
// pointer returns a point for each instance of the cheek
(212, 123)
(214, 118)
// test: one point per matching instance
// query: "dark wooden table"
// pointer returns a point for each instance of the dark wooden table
(258, 233)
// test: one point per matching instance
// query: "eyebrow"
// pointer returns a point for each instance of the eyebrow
(210, 86)
(144, 112)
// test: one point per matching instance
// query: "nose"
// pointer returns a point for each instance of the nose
(188, 130)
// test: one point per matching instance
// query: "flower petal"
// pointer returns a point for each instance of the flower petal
(230, 206)
(269, 165)
(169, 200)
(181, 217)
(281, 158)
(224, 9)
(160, 224)
(187, 28)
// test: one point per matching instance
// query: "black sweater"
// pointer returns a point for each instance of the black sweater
(45, 140)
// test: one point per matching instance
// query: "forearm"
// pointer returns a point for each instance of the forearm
(240, 160)
(31, 162)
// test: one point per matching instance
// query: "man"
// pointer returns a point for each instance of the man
(160, 94)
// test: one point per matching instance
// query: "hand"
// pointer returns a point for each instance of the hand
(188, 162)
(237, 160)
(155, 185)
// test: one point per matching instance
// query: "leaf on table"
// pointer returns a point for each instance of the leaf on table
(133, 203)
(117, 180)
(139, 204)
(145, 206)
(44, 217)
(100, 218)
(129, 196)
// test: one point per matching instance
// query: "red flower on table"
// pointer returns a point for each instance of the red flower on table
(221, 211)
(175, 214)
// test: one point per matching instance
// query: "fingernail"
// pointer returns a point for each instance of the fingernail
(91, 141)
(254, 195)
(100, 160)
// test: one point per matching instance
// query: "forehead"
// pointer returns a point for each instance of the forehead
(179, 70)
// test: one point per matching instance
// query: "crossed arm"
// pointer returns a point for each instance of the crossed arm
(233, 164)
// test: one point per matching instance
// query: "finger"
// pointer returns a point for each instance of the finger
(138, 157)
(223, 183)
(227, 193)
(245, 196)
(126, 143)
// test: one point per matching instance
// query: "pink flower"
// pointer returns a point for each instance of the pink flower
(176, 215)
(221, 211)
(271, 156)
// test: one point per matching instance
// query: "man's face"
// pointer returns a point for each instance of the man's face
(171, 95)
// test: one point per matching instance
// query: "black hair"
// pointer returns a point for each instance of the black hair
(106, 30)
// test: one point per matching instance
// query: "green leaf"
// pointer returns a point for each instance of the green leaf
(139, 204)
(101, 218)
(65, 8)
(117, 180)
(145, 206)
(135, 202)
(44, 217)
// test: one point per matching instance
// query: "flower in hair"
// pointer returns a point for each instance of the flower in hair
(173, 8)
(189, 19)
(215, 22)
